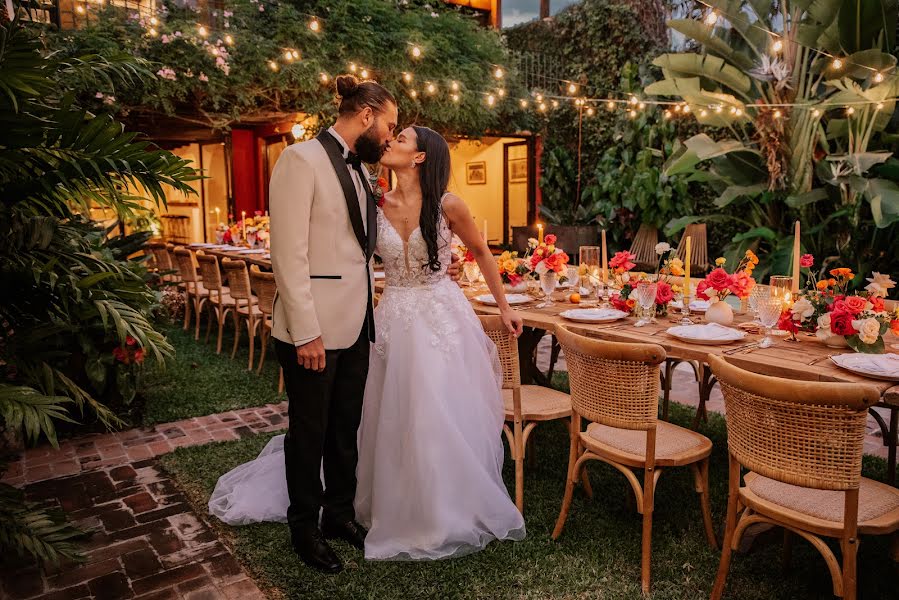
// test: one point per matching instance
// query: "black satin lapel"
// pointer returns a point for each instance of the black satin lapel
(332, 147)
(371, 217)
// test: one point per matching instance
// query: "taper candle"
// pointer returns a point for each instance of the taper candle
(605, 260)
(243, 220)
(687, 271)
(795, 288)
(540, 232)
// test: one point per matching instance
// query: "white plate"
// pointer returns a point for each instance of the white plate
(695, 306)
(489, 300)
(593, 315)
(203, 245)
(860, 365)
(699, 334)
(250, 251)
(379, 275)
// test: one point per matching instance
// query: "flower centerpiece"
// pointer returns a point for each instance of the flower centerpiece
(514, 271)
(668, 265)
(840, 318)
(220, 232)
(545, 257)
(719, 284)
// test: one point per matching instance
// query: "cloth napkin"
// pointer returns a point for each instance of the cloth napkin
(708, 331)
(881, 364)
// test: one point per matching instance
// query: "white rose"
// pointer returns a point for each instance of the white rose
(532, 242)
(823, 331)
(663, 247)
(625, 277)
(802, 309)
(868, 330)
(541, 267)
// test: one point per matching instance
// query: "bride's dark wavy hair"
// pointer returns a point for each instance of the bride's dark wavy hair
(433, 176)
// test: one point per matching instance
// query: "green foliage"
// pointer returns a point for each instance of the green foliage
(807, 161)
(73, 298)
(238, 84)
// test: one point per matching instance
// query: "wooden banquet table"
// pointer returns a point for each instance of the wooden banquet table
(806, 359)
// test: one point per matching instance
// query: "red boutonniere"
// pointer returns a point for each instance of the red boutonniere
(379, 187)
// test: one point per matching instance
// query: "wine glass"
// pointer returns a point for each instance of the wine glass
(471, 272)
(758, 292)
(645, 294)
(769, 310)
(548, 283)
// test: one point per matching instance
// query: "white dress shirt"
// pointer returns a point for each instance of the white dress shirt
(357, 179)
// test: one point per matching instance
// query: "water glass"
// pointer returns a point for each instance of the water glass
(758, 292)
(769, 311)
(471, 272)
(645, 294)
(548, 283)
(685, 309)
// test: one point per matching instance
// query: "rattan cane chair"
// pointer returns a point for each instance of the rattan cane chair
(615, 387)
(176, 276)
(699, 248)
(196, 295)
(220, 302)
(266, 288)
(644, 248)
(162, 261)
(247, 305)
(526, 406)
(801, 443)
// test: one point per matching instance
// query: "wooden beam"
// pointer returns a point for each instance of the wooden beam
(544, 9)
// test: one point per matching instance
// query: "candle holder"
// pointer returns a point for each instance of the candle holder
(781, 288)
(685, 310)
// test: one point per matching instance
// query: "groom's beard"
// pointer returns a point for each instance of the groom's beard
(368, 148)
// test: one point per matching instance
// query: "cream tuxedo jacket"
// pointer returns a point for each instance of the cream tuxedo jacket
(321, 254)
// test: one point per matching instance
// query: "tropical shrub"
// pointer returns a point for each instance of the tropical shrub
(76, 311)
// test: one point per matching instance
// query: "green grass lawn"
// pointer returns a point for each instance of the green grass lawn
(200, 382)
(598, 555)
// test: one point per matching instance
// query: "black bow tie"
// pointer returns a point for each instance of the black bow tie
(353, 160)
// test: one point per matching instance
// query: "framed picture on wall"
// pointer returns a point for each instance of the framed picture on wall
(476, 173)
(518, 170)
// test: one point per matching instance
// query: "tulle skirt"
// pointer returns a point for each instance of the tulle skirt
(430, 445)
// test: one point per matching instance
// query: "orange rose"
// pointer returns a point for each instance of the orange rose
(842, 273)
(855, 304)
(894, 326)
(631, 303)
(822, 285)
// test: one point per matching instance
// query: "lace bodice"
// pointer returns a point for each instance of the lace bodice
(405, 264)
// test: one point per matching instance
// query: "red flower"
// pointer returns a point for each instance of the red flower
(876, 303)
(664, 295)
(806, 260)
(227, 237)
(742, 284)
(557, 262)
(894, 326)
(130, 341)
(257, 213)
(549, 239)
(855, 304)
(841, 322)
(719, 279)
(621, 262)
(139, 356)
(120, 355)
(380, 201)
(786, 322)
(382, 183)
(620, 304)
(469, 256)
(701, 288)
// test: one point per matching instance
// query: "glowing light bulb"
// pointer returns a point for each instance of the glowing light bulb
(667, 114)
(154, 21)
(79, 9)
(879, 106)
(632, 113)
(687, 108)
(455, 97)
(837, 63)
(542, 107)
(272, 65)
(572, 89)
(364, 73)
(711, 18)
(539, 97)
(501, 93)
(777, 46)
(431, 88)
(288, 55)
(454, 86)
(777, 114)
(498, 73)
(703, 112)
(555, 103)
(297, 131)
(850, 111)
(407, 77)
(353, 67)
(677, 107)
(413, 93)
(718, 109)
(590, 112)
(610, 105)
(202, 31)
(229, 40)
(324, 78)
(491, 100)
(878, 77)
(739, 112)
(633, 100)
(523, 103)
(641, 106)
(153, 32)
(314, 25)
(816, 113)
(416, 52)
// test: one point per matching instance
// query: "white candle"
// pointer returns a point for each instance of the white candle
(605, 260)
(218, 218)
(243, 220)
(795, 288)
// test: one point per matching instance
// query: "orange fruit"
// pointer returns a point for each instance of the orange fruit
(574, 298)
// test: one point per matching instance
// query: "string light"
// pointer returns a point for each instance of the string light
(416, 52)
(718, 108)
(455, 97)
(686, 109)
(850, 111)
(738, 112)
(703, 113)
(431, 88)
(879, 106)
(455, 86)
(777, 114)
(314, 25)
(523, 103)
(632, 114)
(590, 112)
(325, 78)
(501, 93)
(539, 97)
(491, 100)
(229, 40)
(413, 93)
(498, 73)
(353, 67)
(572, 88)
(288, 55)
(153, 32)
(555, 103)
(202, 31)
(878, 77)
(214, 51)
(272, 65)
(407, 77)
(542, 107)
(79, 9)
(641, 106)
(364, 73)
(711, 18)
(154, 21)
(777, 46)
(677, 107)
(610, 105)
(837, 63)
(816, 113)
(297, 131)
(667, 114)
(633, 100)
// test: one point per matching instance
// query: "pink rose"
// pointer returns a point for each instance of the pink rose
(701, 288)
(806, 260)
(664, 295)
(742, 284)
(855, 304)
(622, 261)
(719, 279)
(549, 239)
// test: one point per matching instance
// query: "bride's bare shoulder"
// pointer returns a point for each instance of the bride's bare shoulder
(453, 205)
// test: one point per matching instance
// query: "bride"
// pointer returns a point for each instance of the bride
(430, 449)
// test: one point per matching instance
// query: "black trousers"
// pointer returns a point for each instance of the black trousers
(324, 410)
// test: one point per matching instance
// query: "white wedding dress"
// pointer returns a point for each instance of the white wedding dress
(430, 448)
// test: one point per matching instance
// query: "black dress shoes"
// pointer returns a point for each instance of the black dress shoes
(315, 551)
(349, 531)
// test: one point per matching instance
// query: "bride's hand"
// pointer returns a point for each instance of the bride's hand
(513, 321)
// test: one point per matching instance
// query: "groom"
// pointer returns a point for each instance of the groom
(323, 235)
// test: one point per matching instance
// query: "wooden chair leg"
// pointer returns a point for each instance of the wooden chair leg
(220, 315)
(786, 557)
(280, 381)
(263, 346)
(850, 551)
(187, 301)
(570, 480)
(519, 465)
(585, 481)
(236, 316)
(198, 310)
(701, 477)
(210, 317)
(666, 390)
(729, 528)
(646, 549)
(251, 327)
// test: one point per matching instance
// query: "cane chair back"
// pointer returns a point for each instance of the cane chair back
(265, 287)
